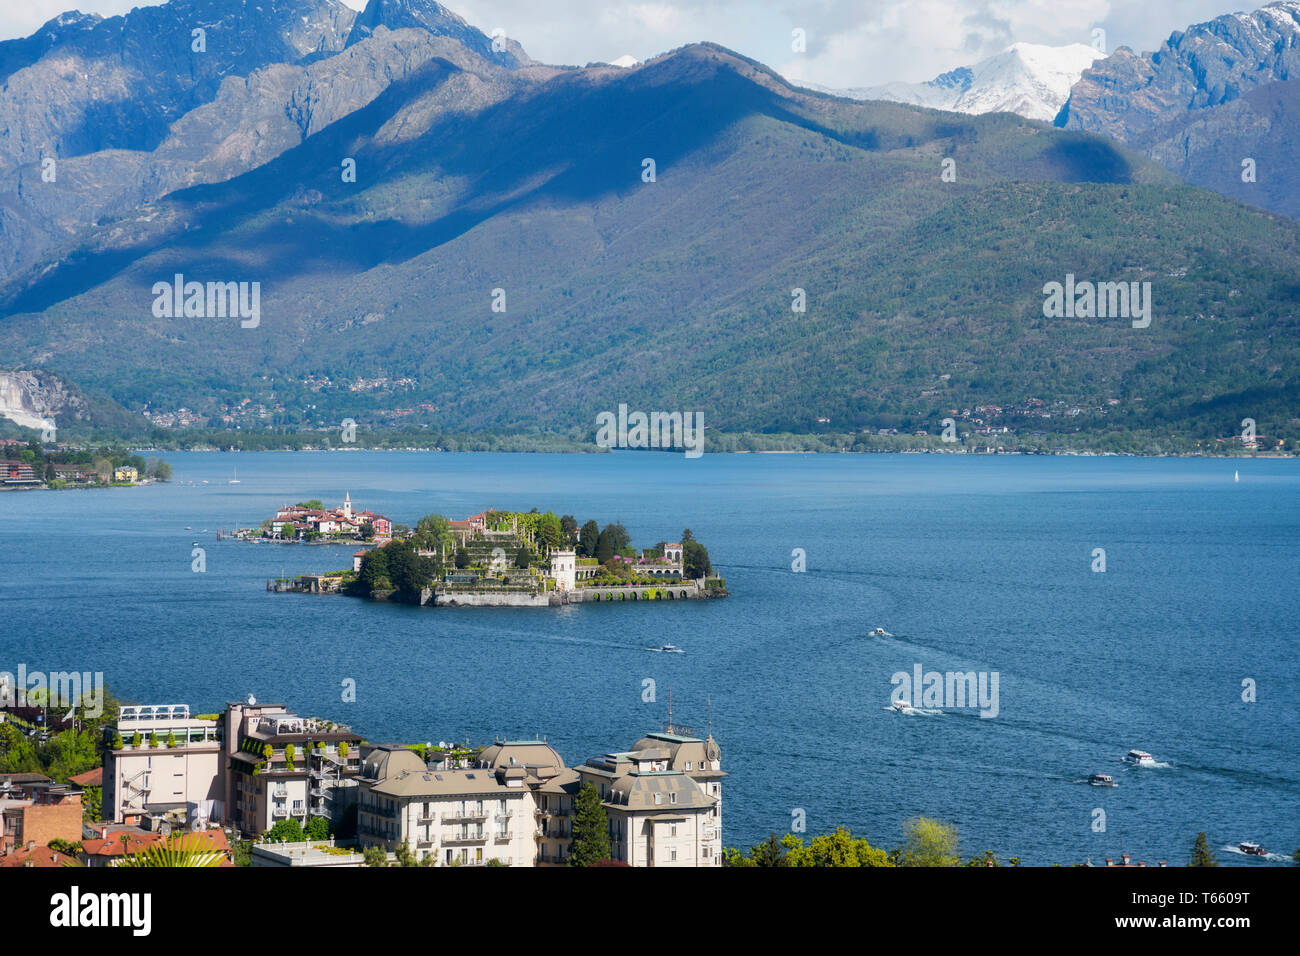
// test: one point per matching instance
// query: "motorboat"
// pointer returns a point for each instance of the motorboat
(1139, 758)
(880, 632)
(671, 649)
(1252, 849)
(1102, 780)
(900, 706)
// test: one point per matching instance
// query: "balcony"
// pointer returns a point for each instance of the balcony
(467, 816)
(279, 811)
(465, 839)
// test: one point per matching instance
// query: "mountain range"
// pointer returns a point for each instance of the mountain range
(1029, 79)
(1212, 97)
(522, 246)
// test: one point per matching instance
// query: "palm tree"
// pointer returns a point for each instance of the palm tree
(189, 850)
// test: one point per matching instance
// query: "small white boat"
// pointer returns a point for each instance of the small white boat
(900, 706)
(1102, 780)
(1251, 849)
(1236, 476)
(671, 649)
(881, 632)
(1139, 758)
(235, 480)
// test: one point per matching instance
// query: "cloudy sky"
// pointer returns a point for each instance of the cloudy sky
(849, 42)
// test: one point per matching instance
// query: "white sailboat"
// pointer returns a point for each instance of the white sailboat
(235, 480)
(1236, 476)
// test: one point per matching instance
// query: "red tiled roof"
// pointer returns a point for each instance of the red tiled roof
(38, 856)
(91, 778)
(135, 842)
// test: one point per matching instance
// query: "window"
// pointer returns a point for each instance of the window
(672, 854)
(659, 798)
(688, 765)
(674, 829)
(672, 797)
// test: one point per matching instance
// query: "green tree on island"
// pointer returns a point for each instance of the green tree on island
(1202, 855)
(605, 549)
(588, 538)
(590, 829)
(569, 529)
(373, 575)
(695, 559)
(433, 533)
(523, 557)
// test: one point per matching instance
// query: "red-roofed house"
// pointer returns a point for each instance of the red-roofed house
(91, 778)
(113, 845)
(33, 855)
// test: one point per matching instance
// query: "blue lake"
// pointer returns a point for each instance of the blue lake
(980, 564)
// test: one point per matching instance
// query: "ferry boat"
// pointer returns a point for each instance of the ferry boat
(1139, 758)
(1102, 780)
(1252, 849)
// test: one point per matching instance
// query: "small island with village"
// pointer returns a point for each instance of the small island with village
(490, 559)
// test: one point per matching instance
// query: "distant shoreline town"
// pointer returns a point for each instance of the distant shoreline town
(60, 467)
(490, 559)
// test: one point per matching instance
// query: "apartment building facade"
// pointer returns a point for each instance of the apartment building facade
(281, 765)
(160, 758)
(516, 804)
(663, 800)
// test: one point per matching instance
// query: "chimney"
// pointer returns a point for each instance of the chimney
(1124, 857)
(1109, 861)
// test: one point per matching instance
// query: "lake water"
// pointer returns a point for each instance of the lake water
(979, 564)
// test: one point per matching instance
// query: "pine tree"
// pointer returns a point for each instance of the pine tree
(590, 829)
(1202, 855)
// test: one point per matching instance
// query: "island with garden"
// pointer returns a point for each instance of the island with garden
(517, 559)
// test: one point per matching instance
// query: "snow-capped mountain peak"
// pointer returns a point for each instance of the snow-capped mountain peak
(1030, 79)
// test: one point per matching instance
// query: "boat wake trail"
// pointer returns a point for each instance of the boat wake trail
(914, 711)
(1271, 857)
